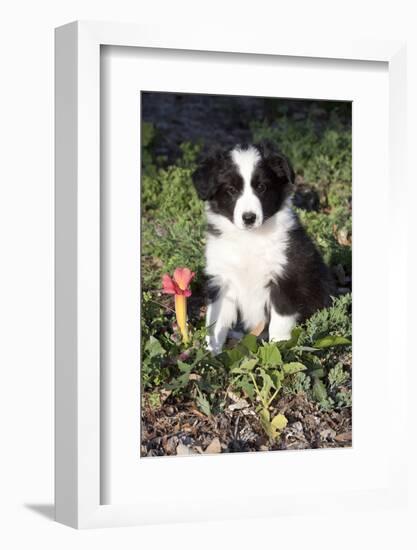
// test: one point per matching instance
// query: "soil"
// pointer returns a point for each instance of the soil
(178, 428)
(216, 120)
(212, 120)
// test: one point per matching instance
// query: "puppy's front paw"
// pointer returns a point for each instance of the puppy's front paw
(280, 327)
(280, 337)
(213, 346)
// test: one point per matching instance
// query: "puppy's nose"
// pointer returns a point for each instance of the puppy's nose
(248, 218)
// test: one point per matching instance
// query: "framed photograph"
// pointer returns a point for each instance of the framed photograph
(218, 294)
(269, 276)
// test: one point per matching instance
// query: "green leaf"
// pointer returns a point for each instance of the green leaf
(274, 427)
(249, 341)
(249, 364)
(184, 367)
(223, 358)
(317, 373)
(265, 419)
(319, 390)
(305, 348)
(276, 377)
(233, 356)
(292, 368)
(148, 133)
(266, 386)
(203, 403)
(330, 341)
(245, 383)
(200, 356)
(154, 348)
(180, 382)
(313, 362)
(279, 422)
(270, 355)
(338, 376)
(293, 341)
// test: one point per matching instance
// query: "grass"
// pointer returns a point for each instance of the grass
(317, 360)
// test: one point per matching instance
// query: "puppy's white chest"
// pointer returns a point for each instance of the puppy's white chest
(242, 265)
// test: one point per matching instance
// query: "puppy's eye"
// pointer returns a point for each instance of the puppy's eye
(260, 187)
(231, 190)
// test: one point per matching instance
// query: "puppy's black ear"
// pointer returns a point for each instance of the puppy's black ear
(205, 177)
(278, 162)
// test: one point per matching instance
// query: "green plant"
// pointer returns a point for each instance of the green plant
(173, 226)
(325, 230)
(322, 155)
(261, 376)
(262, 371)
(153, 371)
(339, 385)
(335, 320)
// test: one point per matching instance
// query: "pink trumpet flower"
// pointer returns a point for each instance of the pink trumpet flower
(179, 286)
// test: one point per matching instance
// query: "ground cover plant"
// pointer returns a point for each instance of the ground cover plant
(255, 395)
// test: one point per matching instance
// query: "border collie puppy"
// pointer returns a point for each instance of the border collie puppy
(260, 264)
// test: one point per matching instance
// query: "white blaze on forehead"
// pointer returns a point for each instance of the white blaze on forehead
(246, 161)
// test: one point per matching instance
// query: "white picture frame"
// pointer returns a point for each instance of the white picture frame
(78, 404)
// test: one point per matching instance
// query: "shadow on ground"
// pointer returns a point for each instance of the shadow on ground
(45, 510)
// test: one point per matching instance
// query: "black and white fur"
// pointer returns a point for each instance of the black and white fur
(260, 264)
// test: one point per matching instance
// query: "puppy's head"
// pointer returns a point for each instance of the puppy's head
(246, 184)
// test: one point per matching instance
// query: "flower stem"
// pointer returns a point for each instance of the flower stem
(181, 313)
